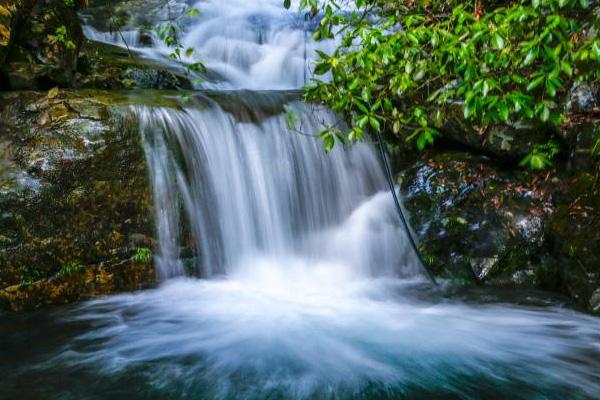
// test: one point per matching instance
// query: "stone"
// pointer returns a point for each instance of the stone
(74, 192)
(594, 303)
(474, 221)
(581, 99)
(512, 140)
(574, 234)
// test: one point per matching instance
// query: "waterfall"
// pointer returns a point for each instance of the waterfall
(254, 44)
(251, 186)
(285, 272)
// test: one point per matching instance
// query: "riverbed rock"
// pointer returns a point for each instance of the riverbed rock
(476, 222)
(74, 193)
(91, 281)
(106, 66)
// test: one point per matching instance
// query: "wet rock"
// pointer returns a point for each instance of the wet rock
(91, 281)
(581, 136)
(594, 303)
(474, 221)
(574, 233)
(48, 49)
(581, 99)
(113, 67)
(73, 192)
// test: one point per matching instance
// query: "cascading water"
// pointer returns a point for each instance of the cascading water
(309, 289)
(251, 188)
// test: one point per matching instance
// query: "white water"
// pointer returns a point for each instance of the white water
(309, 286)
(254, 44)
(256, 189)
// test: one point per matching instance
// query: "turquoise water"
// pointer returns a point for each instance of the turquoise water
(384, 340)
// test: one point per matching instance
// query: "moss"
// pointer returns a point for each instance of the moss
(84, 283)
(574, 234)
(91, 202)
(113, 67)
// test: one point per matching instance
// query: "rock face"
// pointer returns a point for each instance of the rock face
(574, 234)
(46, 48)
(75, 201)
(511, 140)
(478, 223)
(473, 220)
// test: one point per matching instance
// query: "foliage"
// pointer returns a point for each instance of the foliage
(541, 156)
(70, 268)
(142, 255)
(169, 33)
(503, 61)
(30, 275)
(61, 37)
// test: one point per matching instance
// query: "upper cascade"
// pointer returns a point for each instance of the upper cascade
(243, 44)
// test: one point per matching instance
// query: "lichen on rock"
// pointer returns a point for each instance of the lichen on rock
(75, 192)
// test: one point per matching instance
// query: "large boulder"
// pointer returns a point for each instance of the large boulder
(474, 221)
(74, 196)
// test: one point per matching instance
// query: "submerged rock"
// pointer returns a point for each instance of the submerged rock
(74, 196)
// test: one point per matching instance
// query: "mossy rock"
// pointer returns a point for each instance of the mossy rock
(90, 281)
(511, 140)
(574, 232)
(74, 186)
(106, 66)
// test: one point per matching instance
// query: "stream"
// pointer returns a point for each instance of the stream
(302, 283)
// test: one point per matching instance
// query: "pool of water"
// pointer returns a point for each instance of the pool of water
(291, 337)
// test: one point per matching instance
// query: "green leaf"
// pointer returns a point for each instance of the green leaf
(535, 83)
(596, 50)
(328, 143)
(497, 41)
(545, 115)
(287, 3)
(566, 68)
(322, 68)
(374, 124)
(52, 93)
(192, 12)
